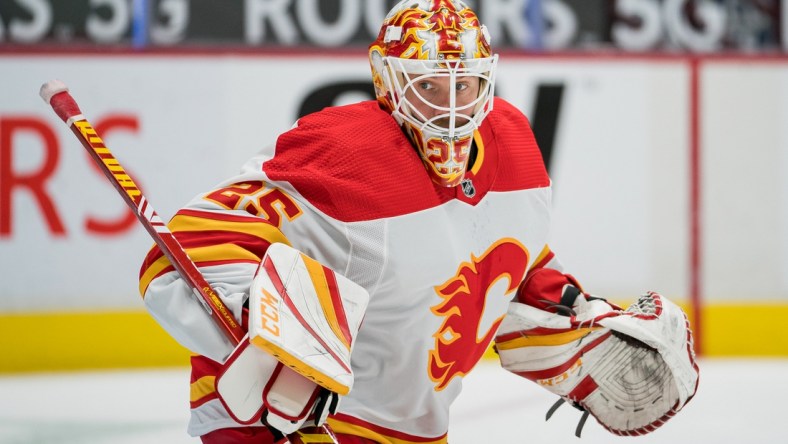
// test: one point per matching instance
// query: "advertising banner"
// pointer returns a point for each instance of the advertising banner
(181, 125)
(628, 25)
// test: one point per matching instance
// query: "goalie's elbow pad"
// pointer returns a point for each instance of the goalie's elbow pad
(303, 321)
(632, 370)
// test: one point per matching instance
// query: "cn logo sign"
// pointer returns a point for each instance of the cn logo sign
(21, 180)
(544, 116)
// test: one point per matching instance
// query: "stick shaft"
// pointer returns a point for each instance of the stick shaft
(65, 106)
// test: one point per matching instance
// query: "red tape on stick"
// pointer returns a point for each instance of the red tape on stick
(64, 106)
(55, 93)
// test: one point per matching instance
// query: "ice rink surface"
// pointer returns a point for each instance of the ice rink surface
(738, 402)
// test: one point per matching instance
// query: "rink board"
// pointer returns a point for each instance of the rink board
(180, 123)
(107, 340)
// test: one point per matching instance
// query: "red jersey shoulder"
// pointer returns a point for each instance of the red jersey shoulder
(519, 161)
(353, 163)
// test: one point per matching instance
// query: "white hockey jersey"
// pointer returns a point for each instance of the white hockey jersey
(440, 264)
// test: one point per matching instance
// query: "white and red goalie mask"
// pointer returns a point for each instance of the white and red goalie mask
(433, 70)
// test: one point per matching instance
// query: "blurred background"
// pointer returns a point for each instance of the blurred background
(662, 123)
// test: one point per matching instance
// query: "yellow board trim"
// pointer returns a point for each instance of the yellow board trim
(45, 342)
(735, 329)
(554, 339)
(70, 341)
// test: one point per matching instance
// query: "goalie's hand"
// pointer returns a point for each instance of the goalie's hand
(325, 404)
(255, 387)
(632, 370)
(291, 368)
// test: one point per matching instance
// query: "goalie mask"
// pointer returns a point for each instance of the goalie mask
(433, 70)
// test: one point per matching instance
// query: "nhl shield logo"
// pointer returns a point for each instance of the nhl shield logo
(467, 188)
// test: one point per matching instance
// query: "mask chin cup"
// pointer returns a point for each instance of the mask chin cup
(446, 159)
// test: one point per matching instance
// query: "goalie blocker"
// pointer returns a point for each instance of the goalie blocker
(295, 361)
(631, 369)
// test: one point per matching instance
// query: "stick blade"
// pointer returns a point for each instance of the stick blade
(51, 88)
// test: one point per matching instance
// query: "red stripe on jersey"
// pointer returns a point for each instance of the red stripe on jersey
(198, 239)
(225, 217)
(203, 367)
(171, 268)
(391, 433)
(544, 261)
(165, 270)
(153, 255)
(189, 240)
(192, 239)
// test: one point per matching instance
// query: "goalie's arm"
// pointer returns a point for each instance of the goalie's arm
(546, 286)
(227, 247)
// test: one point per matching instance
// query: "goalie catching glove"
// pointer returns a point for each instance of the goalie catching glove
(632, 370)
(295, 361)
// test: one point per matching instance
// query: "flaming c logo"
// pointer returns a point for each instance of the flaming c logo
(458, 346)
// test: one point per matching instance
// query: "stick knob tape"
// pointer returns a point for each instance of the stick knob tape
(55, 93)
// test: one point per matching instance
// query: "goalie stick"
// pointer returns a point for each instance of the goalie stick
(55, 93)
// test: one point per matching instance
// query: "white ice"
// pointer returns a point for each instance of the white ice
(739, 402)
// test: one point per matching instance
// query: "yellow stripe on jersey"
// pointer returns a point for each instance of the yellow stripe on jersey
(224, 252)
(151, 272)
(254, 227)
(347, 428)
(318, 277)
(202, 388)
(554, 339)
(184, 223)
(542, 254)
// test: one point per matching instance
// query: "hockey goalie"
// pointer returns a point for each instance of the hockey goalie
(375, 251)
